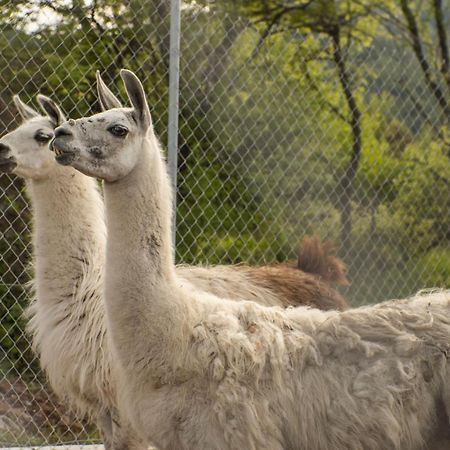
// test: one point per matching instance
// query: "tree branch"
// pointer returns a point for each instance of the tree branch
(93, 19)
(264, 35)
(355, 122)
(330, 106)
(418, 51)
(423, 113)
(442, 37)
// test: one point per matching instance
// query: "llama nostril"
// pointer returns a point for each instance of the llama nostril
(61, 131)
(4, 149)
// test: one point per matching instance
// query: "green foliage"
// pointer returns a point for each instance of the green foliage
(13, 342)
(433, 268)
(14, 346)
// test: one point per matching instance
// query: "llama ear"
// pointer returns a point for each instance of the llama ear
(25, 111)
(51, 109)
(137, 98)
(106, 98)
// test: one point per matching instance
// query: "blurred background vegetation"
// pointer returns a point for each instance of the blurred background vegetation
(297, 117)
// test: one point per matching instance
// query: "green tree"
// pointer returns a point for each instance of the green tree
(342, 24)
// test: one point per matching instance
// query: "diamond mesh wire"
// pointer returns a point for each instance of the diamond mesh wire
(265, 138)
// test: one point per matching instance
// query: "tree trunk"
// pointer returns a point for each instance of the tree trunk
(216, 66)
(162, 9)
(442, 36)
(347, 187)
(420, 55)
(217, 63)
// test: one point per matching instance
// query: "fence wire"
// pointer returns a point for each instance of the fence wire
(266, 138)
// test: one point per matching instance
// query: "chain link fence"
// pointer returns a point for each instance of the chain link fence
(268, 144)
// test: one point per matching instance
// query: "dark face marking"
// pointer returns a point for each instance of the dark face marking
(101, 120)
(65, 159)
(97, 152)
(8, 165)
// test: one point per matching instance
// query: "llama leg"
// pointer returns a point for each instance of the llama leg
(441, 438)
(124, 438)
(105, 426)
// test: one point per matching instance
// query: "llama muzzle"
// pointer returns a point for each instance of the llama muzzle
(7, 163)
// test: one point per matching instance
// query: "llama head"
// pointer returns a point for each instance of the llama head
(107, 145)
(24, 151)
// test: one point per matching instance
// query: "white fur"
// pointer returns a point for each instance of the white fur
(203, 372)
(66, 314)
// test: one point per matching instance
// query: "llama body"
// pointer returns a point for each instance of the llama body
(285, 385)
(67, 317)
(225, 375)
(203, 372)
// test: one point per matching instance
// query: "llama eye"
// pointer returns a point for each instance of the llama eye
(42, 137)
(118, 130)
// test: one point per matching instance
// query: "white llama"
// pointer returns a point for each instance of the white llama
(202, 372)
(69, 237)
(67, 322)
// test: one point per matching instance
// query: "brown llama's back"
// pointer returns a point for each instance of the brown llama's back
(296, 287)
(309, 280)
(282, 284)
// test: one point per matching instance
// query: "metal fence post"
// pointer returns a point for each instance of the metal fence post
(174, 78)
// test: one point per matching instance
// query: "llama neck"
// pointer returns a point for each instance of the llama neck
(69, 235)
(140, 288)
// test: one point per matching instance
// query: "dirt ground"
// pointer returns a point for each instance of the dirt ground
(31, 414)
